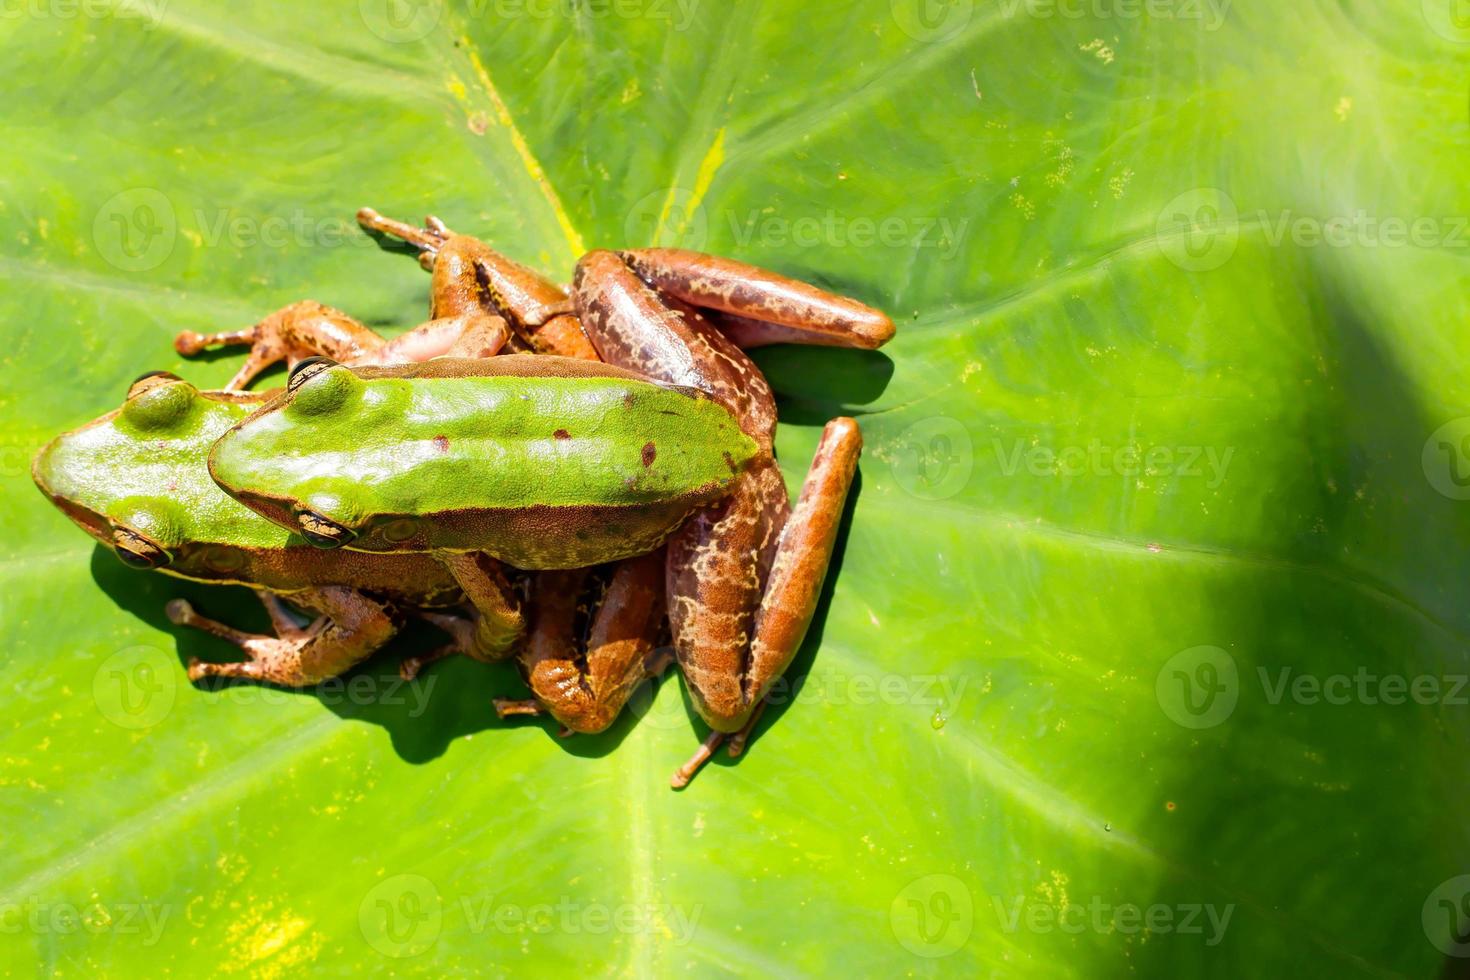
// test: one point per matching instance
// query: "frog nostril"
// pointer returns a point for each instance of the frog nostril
(322, 532)
(136, 551)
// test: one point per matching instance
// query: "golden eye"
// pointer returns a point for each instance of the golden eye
(137, 551)
(150, 380)
(307, 369)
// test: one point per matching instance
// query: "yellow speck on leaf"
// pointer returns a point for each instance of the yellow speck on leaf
(1098, 47)
(1344, 109)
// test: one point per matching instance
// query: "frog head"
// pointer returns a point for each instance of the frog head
(135, 480)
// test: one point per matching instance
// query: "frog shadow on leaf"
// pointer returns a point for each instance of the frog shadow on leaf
(422, 717)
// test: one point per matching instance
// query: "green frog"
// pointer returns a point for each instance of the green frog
(554, 463)
(135, 479)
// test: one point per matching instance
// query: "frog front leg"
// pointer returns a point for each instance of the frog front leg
(350, 628)
(742, 578)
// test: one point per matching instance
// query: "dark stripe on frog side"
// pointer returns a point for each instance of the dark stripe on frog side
(537, 537)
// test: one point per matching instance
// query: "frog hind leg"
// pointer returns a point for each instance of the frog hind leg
(350, 628)
(756, 306)
(743, 575)
(585, 690)
(469, 274)
(463, 644)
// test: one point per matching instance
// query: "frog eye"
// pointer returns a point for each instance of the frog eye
(159, 400)
(137, 551)
(306, 369)
(322, 532)
(150, 380)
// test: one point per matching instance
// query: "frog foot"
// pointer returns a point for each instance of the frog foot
(462, 631)
(348, 630)
(426, 239)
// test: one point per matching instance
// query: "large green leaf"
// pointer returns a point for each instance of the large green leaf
(1095, 224)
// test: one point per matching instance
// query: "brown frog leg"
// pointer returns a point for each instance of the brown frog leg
(498, 623)
(792, 588)
(307, 328)
(289, 334)
(350, 627)
(473, 274)
(759, 306)
(586, 690)
(723, 560)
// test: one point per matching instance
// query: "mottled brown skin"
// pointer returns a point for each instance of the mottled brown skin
(308, 328)
(584, 683)
(743, 574)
